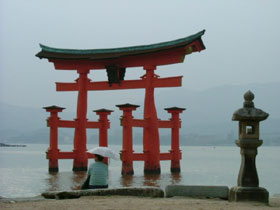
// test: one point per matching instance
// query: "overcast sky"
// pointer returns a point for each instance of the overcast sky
(241, 39)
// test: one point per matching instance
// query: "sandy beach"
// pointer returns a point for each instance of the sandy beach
(126, 202)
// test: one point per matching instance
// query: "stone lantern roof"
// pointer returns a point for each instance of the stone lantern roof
(249, 112)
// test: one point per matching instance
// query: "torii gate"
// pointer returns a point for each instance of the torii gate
(115, 61)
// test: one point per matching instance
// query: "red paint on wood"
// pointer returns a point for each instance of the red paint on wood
(127, 84)
(127, 151)
(166, 57)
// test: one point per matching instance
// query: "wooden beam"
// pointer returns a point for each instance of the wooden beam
(66, 124)
(63, 86)
(139, 156)
(66, 155)
(168, 82)
(93, 125)
(165, 156)
(126, 84)
(165, 57)
(72, 155)
(165, 124)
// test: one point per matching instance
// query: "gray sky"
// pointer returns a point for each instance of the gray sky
(241, 39)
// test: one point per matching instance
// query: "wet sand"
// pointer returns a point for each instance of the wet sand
(126, 202)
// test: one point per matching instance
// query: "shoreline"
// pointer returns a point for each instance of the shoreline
(152, 192)
(40, 198)
(134, 198)
(134, 202)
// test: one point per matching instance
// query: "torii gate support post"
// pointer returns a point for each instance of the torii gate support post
(104, 126)
(175, 151)
(52, 122)
(103, 129)
(151, 132)
(80, 139)
(127, 151)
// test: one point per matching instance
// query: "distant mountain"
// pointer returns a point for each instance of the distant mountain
(209, 112)
(206, 120)
(218, 104)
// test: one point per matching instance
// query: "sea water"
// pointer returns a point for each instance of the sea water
(24, 170)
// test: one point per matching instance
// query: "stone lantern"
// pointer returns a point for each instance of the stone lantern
(249, 118)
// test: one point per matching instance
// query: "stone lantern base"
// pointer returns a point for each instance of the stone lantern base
(257, 194)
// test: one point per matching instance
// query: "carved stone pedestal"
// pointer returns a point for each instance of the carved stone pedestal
(257, 194)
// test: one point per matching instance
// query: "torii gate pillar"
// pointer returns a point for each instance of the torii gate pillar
(151, 133)
(175, 138)
(103, 129)
(127, 151)
(52, 121)
(80, 139)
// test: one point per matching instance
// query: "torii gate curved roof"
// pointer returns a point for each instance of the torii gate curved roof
(154, 54)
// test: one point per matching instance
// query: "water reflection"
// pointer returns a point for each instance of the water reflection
(73, 180)
(176, 178)
(77, 179)
(152, 180)
(126, 180)
(65, 180)
(53, 182)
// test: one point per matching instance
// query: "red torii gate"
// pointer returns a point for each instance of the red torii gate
(115, 61)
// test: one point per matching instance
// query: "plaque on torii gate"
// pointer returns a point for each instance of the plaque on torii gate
(116, 61)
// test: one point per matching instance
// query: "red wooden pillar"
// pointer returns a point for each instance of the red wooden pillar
(103, 129)
(151, 132)
(104, 126)
(52, 153)
(80, 139)
(127, 151)
(175, 138)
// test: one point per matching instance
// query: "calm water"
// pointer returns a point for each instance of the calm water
(24, 170)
